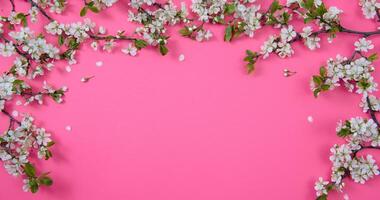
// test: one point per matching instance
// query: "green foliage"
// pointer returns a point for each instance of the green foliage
(89, 6)
(228, 33)
(139, 44)
(45, 180)
(322, 197)
(18, 86)
(250, 58)
(286, 17)
(364, 84)
(230, 8)
(163, 49)
(308, 4)
(22, 17)
(83, 11)
(185, 31)
(30, 170)
(233, 31)
(73, 44)
(61, 40)
(33, 184)
(373, 57)
(320, 82)
(34, 181)
(275, 6)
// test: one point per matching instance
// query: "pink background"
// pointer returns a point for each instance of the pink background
(154, 128)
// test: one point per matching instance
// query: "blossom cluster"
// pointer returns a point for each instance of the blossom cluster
(155, 17)
(280, 16)
(360, 134)
(370, 8)
(33, 56)
(239, 16)
(354, 73)
(54, 6)
(15, 151)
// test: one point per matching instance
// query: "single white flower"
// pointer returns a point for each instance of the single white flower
(363, 45)
(42, 137)
(130, 50)
(320, 187)
(287, 33)
(7, 49)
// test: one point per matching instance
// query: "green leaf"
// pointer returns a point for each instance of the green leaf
(33, 185)
(83, 12)
(316, 92)
(344, 132)
(364, 84)
(73, 44)
(309, 4)
(307, 20)
(249, 53)
(322, 197)
(250, 67)
(29, 170)
(61, 40)
(228, 33)
(185, 32)
(325, 87)
(274, 6)
(20, 15)
(163, 49)
(373, 57)
(317, 80)
(286, 17)
(24, 22)
(322, 71)
(45, 180)
(49, 144)
(272, 20)
(139, 44)
(94, 9)
(248, 59)
(229, 9)
(48, 154)
(91, 3)
(321, 10)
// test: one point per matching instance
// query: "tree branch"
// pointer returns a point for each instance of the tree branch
(41, 10)
(363, 33)
(13, 5)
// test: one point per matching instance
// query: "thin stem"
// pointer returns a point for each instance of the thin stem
(158, 5)
(41, 10)
(111, 37)
(21, 53)
(363, 33)
(13, 5)
(11, 118)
